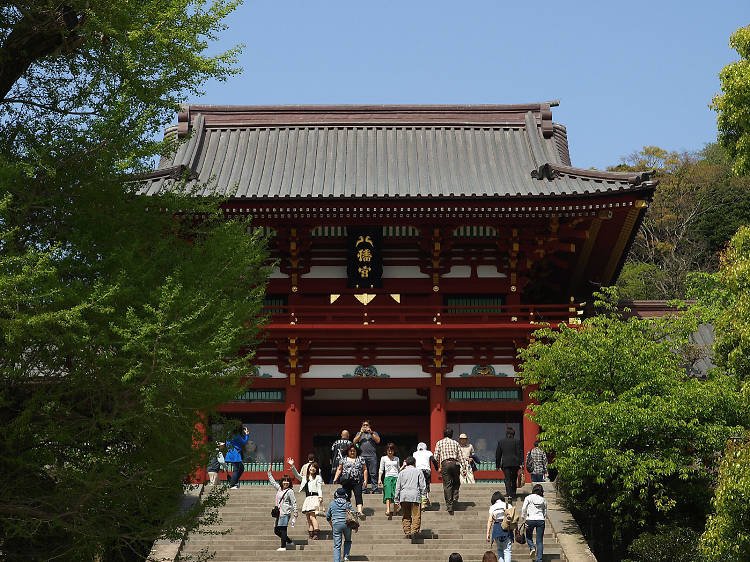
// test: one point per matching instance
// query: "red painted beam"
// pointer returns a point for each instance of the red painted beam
(338, 331)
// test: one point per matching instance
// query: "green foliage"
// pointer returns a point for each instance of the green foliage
(697, 207)
(638, 280)
(733, 104)
(727, 534)
(725, 297)
(635, 437)
(125, 320)
(666, 544)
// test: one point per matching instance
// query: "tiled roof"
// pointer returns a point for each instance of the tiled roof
(379, 152)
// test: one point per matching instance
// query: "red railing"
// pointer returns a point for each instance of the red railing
(447, 314)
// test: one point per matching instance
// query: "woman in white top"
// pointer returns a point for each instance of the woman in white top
(534, 511)
(424, 458)
(495, 531)
(388, 475)
(312, 485)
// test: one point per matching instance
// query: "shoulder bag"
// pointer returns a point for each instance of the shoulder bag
(351, 521)
(275, 511)
(520, 534)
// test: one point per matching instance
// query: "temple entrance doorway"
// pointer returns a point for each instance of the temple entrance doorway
(404, 431)
(400, 416)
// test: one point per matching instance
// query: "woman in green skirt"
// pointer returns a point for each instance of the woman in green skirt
(387, 476)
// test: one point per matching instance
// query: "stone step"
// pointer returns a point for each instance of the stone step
(251, 537)
(469, 555)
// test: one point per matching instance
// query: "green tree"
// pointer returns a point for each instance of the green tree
(733, 104)
(727, 534)
(125, 320)
(698, 206)
(635, 436)
(725, 297)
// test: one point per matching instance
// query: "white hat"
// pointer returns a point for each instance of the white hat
(463, 436)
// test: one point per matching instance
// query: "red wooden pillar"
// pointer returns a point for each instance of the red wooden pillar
(530, 428)
(200, 437)
(293, 424)
(438, 419)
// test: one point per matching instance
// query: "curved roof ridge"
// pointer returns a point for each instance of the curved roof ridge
(551, 171)
(372, 114)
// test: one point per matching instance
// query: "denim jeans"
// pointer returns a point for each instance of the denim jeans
(341, 530)
(372, 469)
(537, 477)
(504, 549)
(539, 526)
(237, 469)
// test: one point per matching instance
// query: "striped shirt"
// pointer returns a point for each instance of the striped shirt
(446, 449)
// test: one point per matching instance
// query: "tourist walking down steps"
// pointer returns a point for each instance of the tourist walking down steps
(285, 509)
(336, 456)
(312, 486)
(387, 476)
(351, 473)
(367, 441)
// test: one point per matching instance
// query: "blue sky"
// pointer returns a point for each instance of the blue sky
(627, 74)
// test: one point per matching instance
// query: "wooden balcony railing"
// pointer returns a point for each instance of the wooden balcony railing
(402, 314)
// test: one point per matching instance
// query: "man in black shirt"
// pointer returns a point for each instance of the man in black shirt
(336, 451)
(509, 458)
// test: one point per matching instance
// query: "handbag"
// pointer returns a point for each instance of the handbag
(520, 534)
(351, 521)
(275, 511)
(347, 482)
(521, 478)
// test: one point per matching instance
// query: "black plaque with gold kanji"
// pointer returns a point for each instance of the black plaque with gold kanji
(365, 257)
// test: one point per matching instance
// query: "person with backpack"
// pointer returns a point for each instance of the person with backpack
(501, 524)
(214, 464)
(536, 463)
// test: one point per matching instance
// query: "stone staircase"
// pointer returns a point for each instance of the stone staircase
(378, 540)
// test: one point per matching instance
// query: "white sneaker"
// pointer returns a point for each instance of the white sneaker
(346, 559)
(281, 549)
(234, 488)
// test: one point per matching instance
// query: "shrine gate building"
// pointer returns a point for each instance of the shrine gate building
(418, 248)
